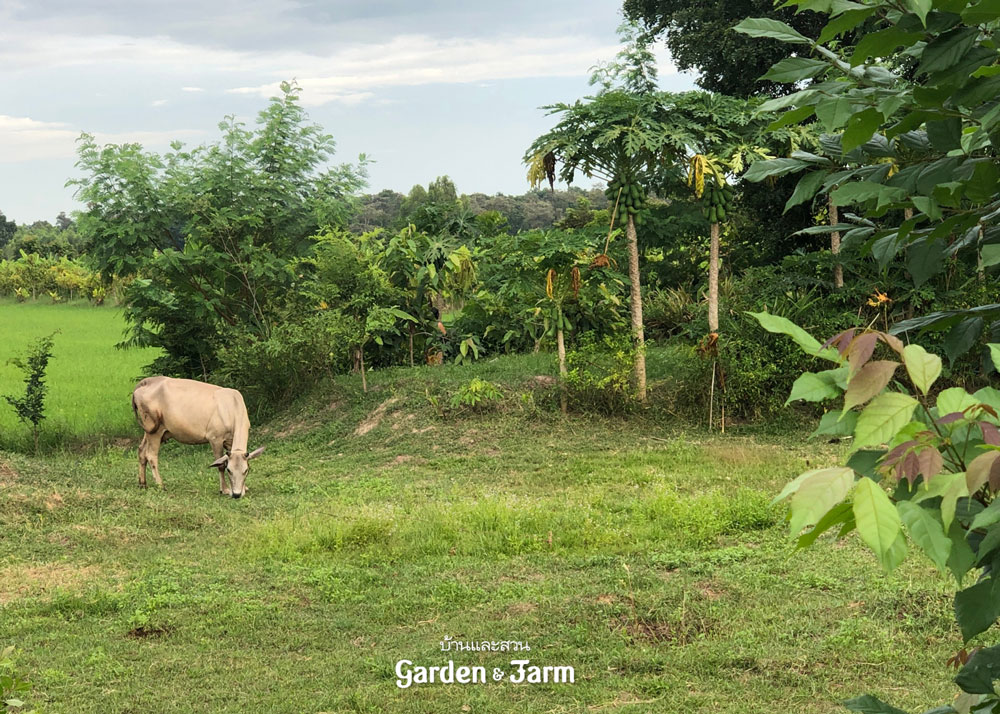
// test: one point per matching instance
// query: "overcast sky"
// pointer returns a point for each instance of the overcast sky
(423, 88)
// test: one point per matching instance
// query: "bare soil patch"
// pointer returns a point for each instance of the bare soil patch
(375, 418)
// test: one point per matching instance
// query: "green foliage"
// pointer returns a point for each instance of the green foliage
(477, 395)
(212, 232)
(599, 374)
(698, 37)
(923, 465)
(30, 408)
(12, 687)
(912, 135)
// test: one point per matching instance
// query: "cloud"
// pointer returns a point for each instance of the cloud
(27, 139)
(158, 103)
(192, 89)
(408, 60)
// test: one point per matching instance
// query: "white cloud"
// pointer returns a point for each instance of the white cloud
(414, 60)
(349, 74)
(158, 102)
(27, 139)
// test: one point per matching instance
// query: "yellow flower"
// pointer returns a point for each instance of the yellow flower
(879, 299)
(323, 305)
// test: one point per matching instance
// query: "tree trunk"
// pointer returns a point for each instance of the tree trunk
(364, 379)
(838, 269)
(713, 281)
(411, 344)
(561, 350)
(636, 299)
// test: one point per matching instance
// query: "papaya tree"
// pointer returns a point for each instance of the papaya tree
(624, 136)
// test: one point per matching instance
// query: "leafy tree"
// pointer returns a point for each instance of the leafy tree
(7, 228)
(210, 232)
(927, 137)
(923, 463)
(30, 408)
(699, 37)
(622, 136)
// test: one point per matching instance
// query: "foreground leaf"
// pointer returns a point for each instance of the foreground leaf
(878, 522)
(922, 366)
(886, 415)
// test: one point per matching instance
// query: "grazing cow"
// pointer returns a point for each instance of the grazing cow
(194, 413)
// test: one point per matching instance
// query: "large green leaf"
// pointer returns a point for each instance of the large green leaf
(947, 50)
(881, 419)
(783, 326)
(949, 488)
(834, 112)
(878, 522)
(976, 609)
(954, 399)
(860, 128)
(920, 8)
(806, 188)
(816, 386)
(761, 170)
(982, 12)
(995, 355)
(818, 494)
(922, 366)
(926, 531)
(979, 673)
(795, 69)
(773, 29)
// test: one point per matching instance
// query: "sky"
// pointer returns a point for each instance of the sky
(424, 89)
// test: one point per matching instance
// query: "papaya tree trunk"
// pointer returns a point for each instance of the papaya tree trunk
(411, 344)
(838, 269)
(561, 350)
(636, 299)
(713, 280)
(361, 360)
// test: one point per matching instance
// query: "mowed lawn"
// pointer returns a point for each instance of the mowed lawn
(89, 381)
(645, 556)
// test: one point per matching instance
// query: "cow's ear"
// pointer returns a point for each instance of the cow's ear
(219, 462)
(255, 453)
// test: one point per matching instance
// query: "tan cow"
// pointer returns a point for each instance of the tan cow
(194, 413)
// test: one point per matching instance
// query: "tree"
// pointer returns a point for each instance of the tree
(7, 229)
(623, 135)
(699, 36)
(31, 407)
(210, 232)
(929, 138)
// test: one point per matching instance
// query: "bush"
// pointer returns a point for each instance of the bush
(271, 372)
(599, 376)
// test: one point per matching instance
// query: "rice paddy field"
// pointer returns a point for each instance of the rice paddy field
(89, 381)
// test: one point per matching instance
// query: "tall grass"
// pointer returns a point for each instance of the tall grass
(89, 381)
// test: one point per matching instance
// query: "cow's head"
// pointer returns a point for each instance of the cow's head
(237, 467)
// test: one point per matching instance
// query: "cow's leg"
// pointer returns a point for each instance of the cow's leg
(218, 449)
(153, 442)
(142, 461)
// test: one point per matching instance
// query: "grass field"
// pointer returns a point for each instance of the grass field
(645, 555)
(89, 380)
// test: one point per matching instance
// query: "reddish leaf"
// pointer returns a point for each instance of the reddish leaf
(984, 469)
(991, 435)
(929, 463)
(950, 418)
(869, 382)
(841, 341)
(861, 350)
(894, 342)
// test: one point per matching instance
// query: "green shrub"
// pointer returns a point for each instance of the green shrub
(271, 372)
(599, 376)
(478, 395)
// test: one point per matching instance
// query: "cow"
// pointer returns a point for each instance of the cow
(194, 412)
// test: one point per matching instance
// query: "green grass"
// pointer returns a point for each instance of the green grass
(89, 380)
(644, 554)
